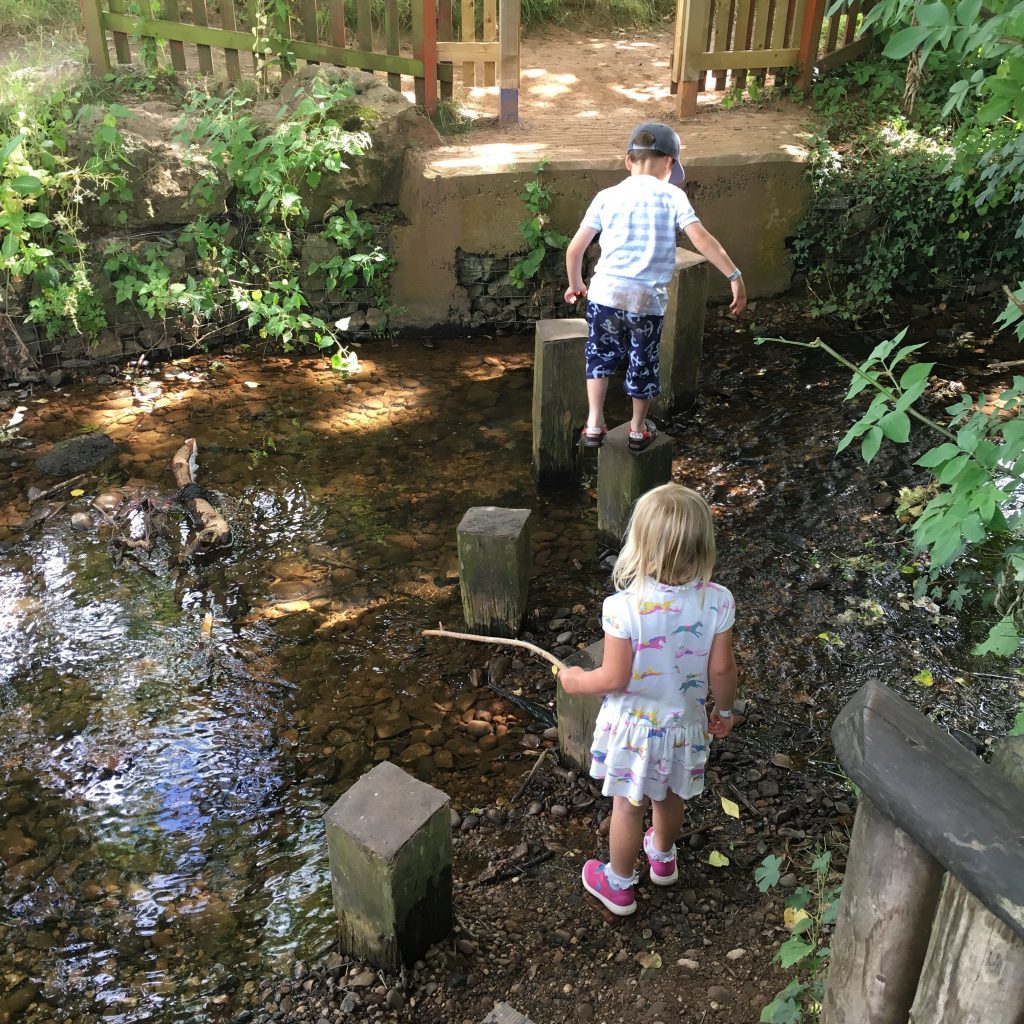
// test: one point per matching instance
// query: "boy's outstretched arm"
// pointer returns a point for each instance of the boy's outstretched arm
(574, 263)
(711, 249)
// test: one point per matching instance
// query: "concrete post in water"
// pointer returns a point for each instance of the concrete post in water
(577, 712)
(623, 476)
(389, 841)
(494, 568)
(682, 336)
(974, 970)
(559, 399)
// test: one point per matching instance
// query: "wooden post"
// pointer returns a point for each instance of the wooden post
(508, 42)
(444, 34)
(622, 477)
(810, 33)
(392, 40)
(95, 37)
(227, 20)
(468, 30)
(682, 335)
(974, 970)
(121, 45)
(424, 48)
(494, 568)
(889, 898)
(489, 34)
(692, 75)
(559, 399)
(203, 52)
(577, 713)
(389, 842)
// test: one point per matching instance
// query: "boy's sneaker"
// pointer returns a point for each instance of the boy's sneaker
(592, 437)
(619, 901)
(664, 867)
(641, 439)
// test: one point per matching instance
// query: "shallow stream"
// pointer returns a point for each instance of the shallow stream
(170, 735)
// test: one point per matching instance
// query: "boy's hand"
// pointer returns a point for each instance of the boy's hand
(739, 297)
(569, 678)
(720, 727)
(575, 292)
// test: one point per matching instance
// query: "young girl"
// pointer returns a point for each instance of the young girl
(668, 637)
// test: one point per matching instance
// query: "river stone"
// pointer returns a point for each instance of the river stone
(76, 454)
(81, 521)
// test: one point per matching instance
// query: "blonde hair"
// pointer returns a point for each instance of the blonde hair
(671, 536)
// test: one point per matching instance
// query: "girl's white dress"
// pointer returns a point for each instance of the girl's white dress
(652, 737)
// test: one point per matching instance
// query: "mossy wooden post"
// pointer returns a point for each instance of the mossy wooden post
(559, 399)
(682, 336)
(494, 568)
(974, 970)
(577, 713)
(389, 841)
(623, 476)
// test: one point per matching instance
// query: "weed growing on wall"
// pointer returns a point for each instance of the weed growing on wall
(245, 275)
(536, 230)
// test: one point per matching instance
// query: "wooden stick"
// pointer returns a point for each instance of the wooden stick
(57, 487)
(214, 531)
(540, 652)
(533, 771)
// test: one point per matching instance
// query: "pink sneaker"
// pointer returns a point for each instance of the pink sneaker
(663, 872)
(618, 901)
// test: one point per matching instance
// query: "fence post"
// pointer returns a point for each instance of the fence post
(974, 970)
(508, 43)
(95, 37)
(889, 897)
(424, 48)
(691, 47)
(810, 34)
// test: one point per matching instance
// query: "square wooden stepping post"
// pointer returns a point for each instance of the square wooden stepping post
(505, 1014)
(559, 399)
(577, 712)
(494, 568)
(623, 476)
(389, 840)
(682, 336)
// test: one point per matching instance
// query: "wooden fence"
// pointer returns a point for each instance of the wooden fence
(931, 922)
(236, 37)
(733, 39)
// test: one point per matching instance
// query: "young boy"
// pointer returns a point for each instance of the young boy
(637, 220)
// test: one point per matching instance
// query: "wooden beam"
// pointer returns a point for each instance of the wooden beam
(508, 79)
(95, 37)
(444, 35)
(227, 21)
(201, 17)
(846, 53)
(391, 40)
(121, 45)
(810, 35)
(451, 51)
(306, 51)
(964, 813)
(748, 59)
(171, 15)
(309, 27)
(337, 15)
(490, 35)
(424, 49)
(468, 33)
(694, 47)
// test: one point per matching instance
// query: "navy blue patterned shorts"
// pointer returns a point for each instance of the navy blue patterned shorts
(614, 333)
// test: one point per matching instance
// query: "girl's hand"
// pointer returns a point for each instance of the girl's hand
(739, 297)
(570, 679)
(575, 292)
(721, 727)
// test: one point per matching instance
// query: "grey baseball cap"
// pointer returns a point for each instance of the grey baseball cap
(666, 141)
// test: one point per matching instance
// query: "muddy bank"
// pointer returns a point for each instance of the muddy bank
(172, 733)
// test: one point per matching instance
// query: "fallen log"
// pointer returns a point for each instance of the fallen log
(214, 532)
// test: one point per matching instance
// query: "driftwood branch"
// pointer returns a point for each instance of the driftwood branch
(533, 771)
(214, 531)
(539, 651)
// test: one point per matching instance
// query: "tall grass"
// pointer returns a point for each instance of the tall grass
(21, 17)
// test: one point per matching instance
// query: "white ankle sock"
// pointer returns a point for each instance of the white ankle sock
(618, 881)
(664, 856)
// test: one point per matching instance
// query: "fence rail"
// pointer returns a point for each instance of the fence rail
(732, 40)
(210, 42)
(931, 923)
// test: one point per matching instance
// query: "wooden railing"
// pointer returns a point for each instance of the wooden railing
(241, 37)
(730, 40)
(931, 921)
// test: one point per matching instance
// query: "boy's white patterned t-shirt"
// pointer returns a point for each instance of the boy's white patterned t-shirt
(652, 736)
(638, 220)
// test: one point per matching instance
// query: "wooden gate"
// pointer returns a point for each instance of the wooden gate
(238, 37)
(729, 40)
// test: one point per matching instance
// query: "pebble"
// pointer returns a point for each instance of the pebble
(395, 999)
(688, 964)
(81, 521)
(788, 881)
(456, 818)
(736, 954)
(561, 936)
(535, 807)
(721, 995)
(559, 811)
(350, 1003)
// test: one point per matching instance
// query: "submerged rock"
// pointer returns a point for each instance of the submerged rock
(76, 454)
